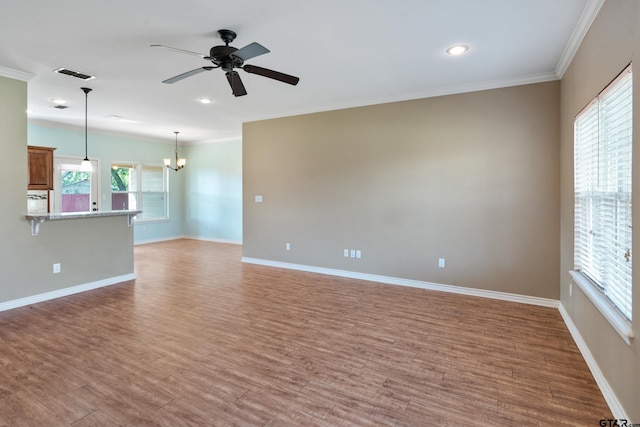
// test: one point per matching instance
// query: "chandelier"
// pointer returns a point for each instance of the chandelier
(180, 162)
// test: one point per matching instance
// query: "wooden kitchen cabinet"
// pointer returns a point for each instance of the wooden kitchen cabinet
(40, 166)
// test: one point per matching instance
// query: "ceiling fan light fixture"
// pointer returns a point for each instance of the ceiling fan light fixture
(228, 59)
(458, 49)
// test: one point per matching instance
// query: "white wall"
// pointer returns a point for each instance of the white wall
(213, 191)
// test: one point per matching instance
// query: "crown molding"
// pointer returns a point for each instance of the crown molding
(15, 74)
(589, 14)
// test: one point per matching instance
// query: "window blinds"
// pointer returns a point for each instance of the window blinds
(602, 185)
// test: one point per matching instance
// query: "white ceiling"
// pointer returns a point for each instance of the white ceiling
(346, 52)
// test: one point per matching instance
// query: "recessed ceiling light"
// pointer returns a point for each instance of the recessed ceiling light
(458, 49)
(205, 100)
(58, 101)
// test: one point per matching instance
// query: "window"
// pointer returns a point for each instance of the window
(76, 190)
(602, 186)
(142, 187)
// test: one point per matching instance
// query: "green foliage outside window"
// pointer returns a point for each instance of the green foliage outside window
(120, 179)
(69, 179)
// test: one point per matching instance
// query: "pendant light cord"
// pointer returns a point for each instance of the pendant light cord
(86, 101)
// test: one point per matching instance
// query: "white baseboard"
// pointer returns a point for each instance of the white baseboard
(159, 239)
(205, 239)
(215, 240)
(34, 299)
(524, 299)
(605, 388)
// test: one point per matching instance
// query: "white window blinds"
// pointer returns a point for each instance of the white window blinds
(602, 185)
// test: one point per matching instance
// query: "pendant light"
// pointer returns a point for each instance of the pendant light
(86, 163)
(180, 162)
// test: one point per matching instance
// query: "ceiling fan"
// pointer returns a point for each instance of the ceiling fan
(228, 58)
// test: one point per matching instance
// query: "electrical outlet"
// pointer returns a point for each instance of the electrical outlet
(56, 268)
(287, 246)
(441, 263)
(358, 253)
(352, 253)
(346, 253)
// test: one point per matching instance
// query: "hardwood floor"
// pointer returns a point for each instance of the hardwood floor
(200, 339)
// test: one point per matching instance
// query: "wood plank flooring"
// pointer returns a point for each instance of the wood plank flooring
(200, 339)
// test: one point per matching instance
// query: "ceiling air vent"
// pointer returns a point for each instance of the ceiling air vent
(75, 74)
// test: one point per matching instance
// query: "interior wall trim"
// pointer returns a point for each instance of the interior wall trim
(431, 93)
(34, 299)
(15, 74)
(156, 240)
(204, 239)
(589, 14)
(607, 392)
(215, 240)
(505, 296)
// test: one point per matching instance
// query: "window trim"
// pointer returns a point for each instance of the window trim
(614, 315)
(610, 312)
(138, 166)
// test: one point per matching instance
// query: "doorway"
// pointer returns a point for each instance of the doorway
(75, 190)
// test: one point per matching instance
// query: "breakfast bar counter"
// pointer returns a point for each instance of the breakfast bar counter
(38, 218)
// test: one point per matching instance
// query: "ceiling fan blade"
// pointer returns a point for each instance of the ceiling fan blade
(236, 83)
(187, 74)
(250, 51)
(175, 49)
(276, 75)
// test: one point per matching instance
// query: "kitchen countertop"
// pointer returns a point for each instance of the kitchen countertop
(38, 218)
(73, 215)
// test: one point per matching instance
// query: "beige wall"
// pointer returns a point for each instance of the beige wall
(89, 250)
(611, 43)
(472, 178)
